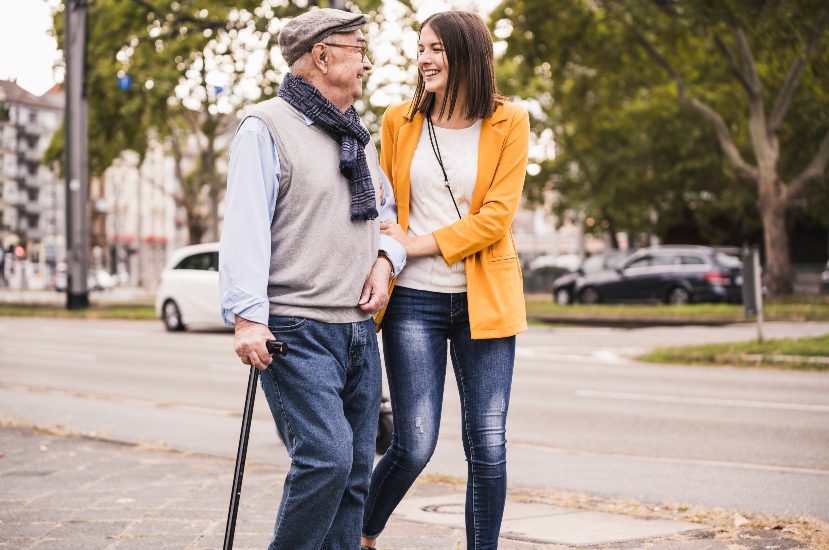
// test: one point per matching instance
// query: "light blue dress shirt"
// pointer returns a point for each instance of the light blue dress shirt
(245, 247)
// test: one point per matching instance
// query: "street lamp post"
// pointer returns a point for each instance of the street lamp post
(77, 156)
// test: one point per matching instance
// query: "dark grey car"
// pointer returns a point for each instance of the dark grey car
(670, 274)
(564, 286)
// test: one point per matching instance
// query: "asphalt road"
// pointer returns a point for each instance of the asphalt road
(583, 416)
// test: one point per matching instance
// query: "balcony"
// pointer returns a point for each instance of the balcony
(33, 207)
(30, 154)
(30, 181)
(31, 234)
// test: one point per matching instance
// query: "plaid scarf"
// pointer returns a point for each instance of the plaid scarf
(347, 130)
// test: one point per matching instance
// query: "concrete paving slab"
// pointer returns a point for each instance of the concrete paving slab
(168, 500)
(545, 524)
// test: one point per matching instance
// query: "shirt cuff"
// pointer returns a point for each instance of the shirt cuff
(238, 301)
(395, 252)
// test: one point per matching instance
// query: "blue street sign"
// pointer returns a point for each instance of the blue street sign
(124, 82)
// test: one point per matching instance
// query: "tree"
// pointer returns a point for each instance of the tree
(747, 72)
(193, 67)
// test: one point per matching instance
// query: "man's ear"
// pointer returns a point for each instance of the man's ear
(319, 53)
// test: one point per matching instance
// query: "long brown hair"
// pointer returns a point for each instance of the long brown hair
(467, 45)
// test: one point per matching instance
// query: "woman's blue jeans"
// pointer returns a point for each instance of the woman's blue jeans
(416, 329)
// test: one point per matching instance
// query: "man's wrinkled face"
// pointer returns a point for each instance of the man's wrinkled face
(349, 62)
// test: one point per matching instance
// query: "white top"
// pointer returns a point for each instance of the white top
(430, 205)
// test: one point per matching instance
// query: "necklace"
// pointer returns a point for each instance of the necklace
(433, 140)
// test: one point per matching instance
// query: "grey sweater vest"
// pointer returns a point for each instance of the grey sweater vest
(319, 258)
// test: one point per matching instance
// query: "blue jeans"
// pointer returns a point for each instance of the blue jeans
(325, 398)
(416, 328)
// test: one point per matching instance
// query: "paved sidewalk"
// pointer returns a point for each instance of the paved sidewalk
(78, 493)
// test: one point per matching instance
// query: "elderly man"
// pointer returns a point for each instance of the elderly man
(302, 260)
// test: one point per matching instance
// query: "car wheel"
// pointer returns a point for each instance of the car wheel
(171, 316)
(589, 296)
(678, 296)
(562, 297)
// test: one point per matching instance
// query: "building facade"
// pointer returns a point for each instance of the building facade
(32, 218)
(142, 223)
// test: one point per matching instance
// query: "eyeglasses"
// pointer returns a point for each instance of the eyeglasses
(363, 48)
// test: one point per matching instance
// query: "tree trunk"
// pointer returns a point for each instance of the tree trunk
(195, 228)
(778, 278)
(97, 218)
(210, 178)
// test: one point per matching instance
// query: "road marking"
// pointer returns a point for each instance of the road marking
(121, 399)
(597, 356)
(703, 401)
(40, 353)
(673, 460)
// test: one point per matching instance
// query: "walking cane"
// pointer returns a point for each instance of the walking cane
(274, 347)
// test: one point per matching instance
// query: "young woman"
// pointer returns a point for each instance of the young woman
(456, 156)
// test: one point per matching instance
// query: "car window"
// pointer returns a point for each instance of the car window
(692, 260)
(665, 259)
(644, 261)
(214, 261)
(201, 262)
(728, 261)
(612, 260)
(591, 264)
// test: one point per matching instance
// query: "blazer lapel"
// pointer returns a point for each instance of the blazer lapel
(406, 144)
(489, 149)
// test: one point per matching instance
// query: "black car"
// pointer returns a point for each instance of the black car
(824, 280)
(564, 285)
(671, 274)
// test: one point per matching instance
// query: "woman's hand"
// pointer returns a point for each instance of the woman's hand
(394, 231)
(423, 245)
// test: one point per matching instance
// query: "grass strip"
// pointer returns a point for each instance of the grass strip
(794, 351)
(800, 310)
(114, 311)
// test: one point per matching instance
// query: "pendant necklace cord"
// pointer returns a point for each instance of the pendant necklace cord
(433, 140)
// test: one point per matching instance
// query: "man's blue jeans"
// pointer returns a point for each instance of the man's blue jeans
(325, 397)
(416, 328)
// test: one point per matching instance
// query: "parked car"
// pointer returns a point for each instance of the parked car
(670, 274)
(542, 278)
(188, 292)
(564, 285)
(824, 280)
(96, 279)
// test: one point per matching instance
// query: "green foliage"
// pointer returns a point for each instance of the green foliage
(164, 42)
(626, 151)
(174, 51)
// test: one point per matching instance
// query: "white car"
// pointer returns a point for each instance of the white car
(188, 293)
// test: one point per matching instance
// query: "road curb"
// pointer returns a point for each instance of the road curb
(628, 322)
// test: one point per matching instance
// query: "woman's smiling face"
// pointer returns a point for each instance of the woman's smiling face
(431, 61)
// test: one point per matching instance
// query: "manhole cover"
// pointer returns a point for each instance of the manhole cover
(453, 508)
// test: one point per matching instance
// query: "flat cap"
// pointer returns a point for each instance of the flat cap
(302, 32)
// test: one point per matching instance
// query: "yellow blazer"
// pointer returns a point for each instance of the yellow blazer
(482, 239)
